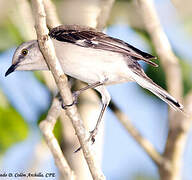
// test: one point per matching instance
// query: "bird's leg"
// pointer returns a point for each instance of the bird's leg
(93, 133)
(105, 102)
(78, 92)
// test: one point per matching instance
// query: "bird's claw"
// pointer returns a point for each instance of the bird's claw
(67, 105)
(75, 97)
(91, 138)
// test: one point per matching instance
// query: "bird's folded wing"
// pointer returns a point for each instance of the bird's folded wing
(89, 37)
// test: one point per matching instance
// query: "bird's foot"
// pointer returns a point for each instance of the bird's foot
(75, 99)
(91, 138)
(93, 133)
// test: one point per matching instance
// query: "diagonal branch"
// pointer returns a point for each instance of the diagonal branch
(47, 127)
(105, 9)
(47, 49)
(163, 48)
(177, 132)
(144, 143)
(51, 14)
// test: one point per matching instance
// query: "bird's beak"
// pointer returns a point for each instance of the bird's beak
(11, 69)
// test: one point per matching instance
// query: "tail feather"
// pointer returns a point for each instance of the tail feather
(158, 91)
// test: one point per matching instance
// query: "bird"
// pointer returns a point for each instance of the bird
(95, 58)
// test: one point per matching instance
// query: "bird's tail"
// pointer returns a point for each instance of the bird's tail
(147, 83)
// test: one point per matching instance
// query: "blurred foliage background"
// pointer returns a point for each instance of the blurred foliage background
(15, 125)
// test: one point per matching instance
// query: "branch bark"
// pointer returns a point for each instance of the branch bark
(47, 49)
(51, 14)
(170, 162)
(22, 14)
(143, 142)
(177, 131)
(105, 9)
(163, 48)
(47, 127)
(88, 111)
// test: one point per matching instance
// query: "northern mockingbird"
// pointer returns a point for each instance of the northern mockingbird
(95, 58)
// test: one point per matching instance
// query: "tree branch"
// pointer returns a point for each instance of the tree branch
(144, 143)
(47, 49)
(23, 15)
(177, 132)
(51, 14)
(47, 127)
(105, 9)
(163, 48)
(69, 140)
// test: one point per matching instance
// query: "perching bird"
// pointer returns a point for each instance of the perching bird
(92, 57)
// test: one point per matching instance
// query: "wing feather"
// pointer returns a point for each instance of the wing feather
(89, 37)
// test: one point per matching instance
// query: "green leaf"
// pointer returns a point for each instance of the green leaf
(9, 35)
(39, 77)
(13, 128)
(187, 76)
(158, 76)
(57, 131)
(57, 128)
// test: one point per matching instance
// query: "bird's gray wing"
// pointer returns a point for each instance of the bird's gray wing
(91, 38)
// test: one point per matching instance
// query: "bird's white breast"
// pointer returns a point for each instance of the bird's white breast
(91, 65)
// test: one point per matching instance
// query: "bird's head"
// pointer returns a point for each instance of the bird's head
(27, 57)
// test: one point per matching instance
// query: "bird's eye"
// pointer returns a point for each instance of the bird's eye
(24, 52)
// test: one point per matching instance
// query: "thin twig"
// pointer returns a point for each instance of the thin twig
(163, 48)
(23, 15)
(47, 49)
(51, 14)
(47, 127)
(105, 9)
(143, 142)
(177, 131)
(88, 110)
(48, 124)
(69, 140)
